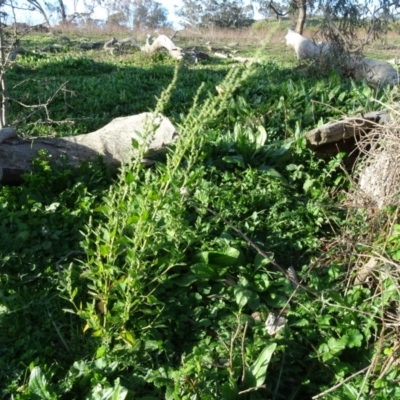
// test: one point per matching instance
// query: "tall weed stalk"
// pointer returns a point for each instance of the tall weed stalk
(143, 233)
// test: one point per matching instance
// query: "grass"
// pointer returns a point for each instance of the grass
(157, 283)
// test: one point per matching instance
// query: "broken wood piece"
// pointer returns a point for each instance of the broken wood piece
(365, 271)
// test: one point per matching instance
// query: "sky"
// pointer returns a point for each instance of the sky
(100, 13)
(169, 5)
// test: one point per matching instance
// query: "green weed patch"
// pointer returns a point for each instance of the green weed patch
(157, 283)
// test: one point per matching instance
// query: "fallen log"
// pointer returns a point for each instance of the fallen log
(113, 142)
(348, 128)
(162, 42)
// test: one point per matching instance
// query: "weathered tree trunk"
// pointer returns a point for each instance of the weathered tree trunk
(63, 12)
(3, 84)
(347, 128)
(343, 136)
(40, 9)
(113, 142)
(301, 19)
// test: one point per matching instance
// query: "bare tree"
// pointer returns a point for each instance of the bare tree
(84, 15)
(116, 19)
(149, 14)
(192, 13)
(3, 84)
(41, 8)
(219, 13)
(62, 10)
(344, 20)
(4, 62)
(301, 20)
(295, 8)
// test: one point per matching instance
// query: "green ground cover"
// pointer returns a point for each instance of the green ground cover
(123, 287)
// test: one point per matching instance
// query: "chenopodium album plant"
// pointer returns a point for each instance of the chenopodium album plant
(131, 290)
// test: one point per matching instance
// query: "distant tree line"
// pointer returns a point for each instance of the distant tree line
(341, 18)
(131, 13)
(146, 14)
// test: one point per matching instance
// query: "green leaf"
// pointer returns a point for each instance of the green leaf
(118, 392)
(230, 390)
(100, 351)
(52, 207)
(102, 209)
(262, 136)
(308, 184)
(242, 295)
(218, 259)
(272, 172)
(336, 345)
(259, 368)
(256, 374)
(202, 257)
(352, 392)
(261, 282)
(342, 96)
(261, 261)
(80, 368)
(354, 338)
(185, 280)
(129, 178)
(275, 152)
(128, 337)
(207, 271)
(238, 160)
(227, 258)
(324, 320)
(38, 384)
(135, 143)
(323, 348)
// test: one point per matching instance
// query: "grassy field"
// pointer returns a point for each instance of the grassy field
(121, 287)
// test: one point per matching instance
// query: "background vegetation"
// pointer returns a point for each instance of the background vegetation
(157, 283)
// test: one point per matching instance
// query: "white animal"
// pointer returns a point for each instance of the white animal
(375, 72)
(305, 48)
